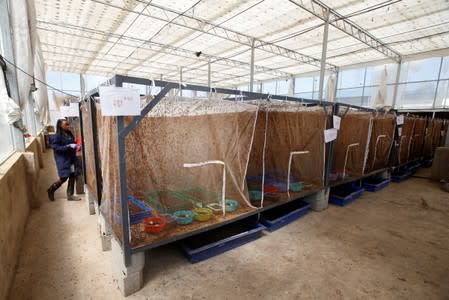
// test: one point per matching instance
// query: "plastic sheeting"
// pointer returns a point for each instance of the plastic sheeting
(120, 43)
(9, 110)
(380, 142)
(41, 95)
(22, 49)
(351, 145)
(288, 152)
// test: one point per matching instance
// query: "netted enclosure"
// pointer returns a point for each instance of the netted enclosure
(382, 135)
(186, 164)
(89, 150)
(444, 130)
(433, 136)
(404, 140)
(417, 140)
(287, 156)
(351, 146)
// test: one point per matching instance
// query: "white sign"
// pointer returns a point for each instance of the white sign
(119, 101)
(400, 120)
(330, 135)
(400, 131)
(337, 121)
(69, 111)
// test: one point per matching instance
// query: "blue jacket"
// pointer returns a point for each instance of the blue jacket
(64, 156)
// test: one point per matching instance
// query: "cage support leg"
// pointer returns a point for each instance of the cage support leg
(318, 201)
(129, 279)
(105, 233)
(90, 200)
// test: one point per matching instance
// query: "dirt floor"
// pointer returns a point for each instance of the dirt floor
(393, 244)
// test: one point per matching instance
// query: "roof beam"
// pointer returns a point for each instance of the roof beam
(318, 9)
(204, 26)
(65, 28)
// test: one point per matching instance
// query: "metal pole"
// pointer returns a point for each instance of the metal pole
(209, 74)
(323, 56)
(122, 182)
(180, 81)
(291, 86)
(398, 74)
(363, 88)
(337, 72)
(251, 74)
(11, 73)
(438, 83)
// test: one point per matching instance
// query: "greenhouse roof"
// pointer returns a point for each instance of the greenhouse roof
(159, 38)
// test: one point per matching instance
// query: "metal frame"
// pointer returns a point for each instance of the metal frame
(330, 147)
(205, 27)
(320, 10)
(64, 28)
(123, 131)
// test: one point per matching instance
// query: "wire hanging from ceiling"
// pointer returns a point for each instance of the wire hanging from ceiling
(37, 79)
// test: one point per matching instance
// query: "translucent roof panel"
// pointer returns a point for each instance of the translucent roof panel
(157, 38)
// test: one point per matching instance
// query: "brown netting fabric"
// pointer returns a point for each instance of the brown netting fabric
(417, 141)
(350, 147)
(186, 161)
(438, 127)
(433, 136)
(287, 156)
(406, 132)
(88, 149)
(381, 140)
(444, 129)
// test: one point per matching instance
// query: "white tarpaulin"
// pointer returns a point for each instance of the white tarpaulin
(22, 48)
(41, 95)
(330, 89)
(9, 110)
(381, 93)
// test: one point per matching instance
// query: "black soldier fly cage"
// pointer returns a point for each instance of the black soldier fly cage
(194, 162)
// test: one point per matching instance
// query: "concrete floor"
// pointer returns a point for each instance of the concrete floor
(393, 244)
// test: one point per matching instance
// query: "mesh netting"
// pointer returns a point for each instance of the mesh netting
(193, 163)
(433, 137)
(417, 140)
(185, 161)
(381, 140)
(88, 149)
(350, 147)
(404, 140)
(287, 156)
(444, 130)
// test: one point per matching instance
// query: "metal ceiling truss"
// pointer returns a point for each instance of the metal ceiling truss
(80, 53)
(64, 28)
(200, 25)
(319, 9)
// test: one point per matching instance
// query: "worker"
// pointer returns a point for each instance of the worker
(64, 150)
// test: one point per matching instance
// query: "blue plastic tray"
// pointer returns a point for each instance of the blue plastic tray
(219, 240)
(340, 200)
(375, 185)
(400, 176)
(427, 163)
(135, 218)
(280, 216)
(413, 167)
